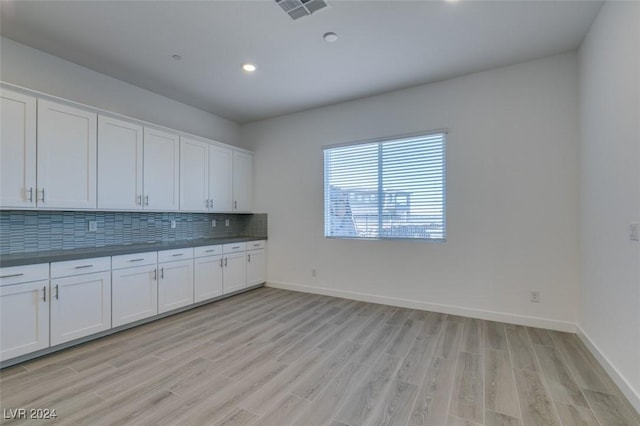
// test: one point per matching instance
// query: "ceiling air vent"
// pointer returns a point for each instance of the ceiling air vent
(299, 8)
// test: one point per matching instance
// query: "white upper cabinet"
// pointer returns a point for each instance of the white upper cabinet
(66, 159)
(194, 175)
(242, 181)
(120, 150)
(220, 178)
(17, 150)
(161, 170)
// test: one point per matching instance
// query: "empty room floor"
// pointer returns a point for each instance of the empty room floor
(275, 357)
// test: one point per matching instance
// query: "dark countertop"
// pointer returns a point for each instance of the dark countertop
(84, 253)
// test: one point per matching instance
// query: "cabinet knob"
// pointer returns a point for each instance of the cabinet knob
(42, 191)
(44, 293)
(31, 195)
(57, 292)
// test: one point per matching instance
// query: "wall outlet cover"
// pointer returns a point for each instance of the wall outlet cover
(634, 232)
(173, 224)
(93, 225)
(213, 223)
(226, 222)
(534, 297)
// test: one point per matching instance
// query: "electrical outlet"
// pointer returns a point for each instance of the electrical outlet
(173, 224)
(226, 222)
(213, 223)
(634, 232)
(93, 225)
(313, 273)
(534, 296)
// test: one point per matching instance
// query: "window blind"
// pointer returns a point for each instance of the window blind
(394, 188)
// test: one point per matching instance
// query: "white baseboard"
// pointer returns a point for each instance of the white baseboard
(434, 307)
(628, 391)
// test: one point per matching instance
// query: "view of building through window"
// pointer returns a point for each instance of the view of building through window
(386, 189)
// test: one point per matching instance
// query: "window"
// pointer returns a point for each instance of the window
(393, 188)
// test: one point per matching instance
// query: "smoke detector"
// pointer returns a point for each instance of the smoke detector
(296, 9)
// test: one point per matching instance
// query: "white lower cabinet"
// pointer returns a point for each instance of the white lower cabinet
(80, 306)
(24, 318)
(134, 294)
(256, 267)
(207, 277)
(235, 272)
(175, 280)
(134, 287)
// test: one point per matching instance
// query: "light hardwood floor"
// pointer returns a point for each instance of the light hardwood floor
(275, 357)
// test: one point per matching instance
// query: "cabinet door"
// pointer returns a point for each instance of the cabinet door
(119, 164)
(256, 267)
(24, 318)
(220, 179)
(207, 278)
(66, 157)
(161, 170)
(17, 150)
(134, 294)
(175, 285)
(235, 272)
(242, 181)
(194, 175)
(80, 306)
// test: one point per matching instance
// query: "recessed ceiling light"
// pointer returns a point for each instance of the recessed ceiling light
(249, 67)
(176, 57)
(330, 37)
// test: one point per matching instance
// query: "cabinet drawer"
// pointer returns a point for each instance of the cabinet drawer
(24, 274)
(80, 267)
(178, 254)
(207, 251)
(234, 247)
(255, 245)
(136, 259)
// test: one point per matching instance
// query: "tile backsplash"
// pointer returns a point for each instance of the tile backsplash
(30, 231)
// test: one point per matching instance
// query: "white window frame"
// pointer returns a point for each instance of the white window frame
(329, 199)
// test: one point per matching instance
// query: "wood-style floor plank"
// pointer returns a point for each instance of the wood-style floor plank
(467, 399)
(279, 357)
(499, 388)
(535, 403)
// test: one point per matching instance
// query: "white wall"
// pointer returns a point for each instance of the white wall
(610, 190)
(27, 67)
(512, 196)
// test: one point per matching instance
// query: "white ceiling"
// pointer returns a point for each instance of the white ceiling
(382, 46)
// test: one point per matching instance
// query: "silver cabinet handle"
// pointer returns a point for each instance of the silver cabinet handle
(84, 266)
(162, 273)
(57, 292)
(221, 262)
(177, 254)
(235, 248)
(139, 200)
(209, 251)
(31, 195)
(146, 200)
(211, 204)
(42, 191)
(248, 258)
(155, 274)
(225, 261)
(12, 276)
(257, 245)
(137, 260)
(235, 204)
(206, 203)
(44, 293)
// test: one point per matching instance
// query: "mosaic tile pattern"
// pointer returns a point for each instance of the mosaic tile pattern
(29, 231)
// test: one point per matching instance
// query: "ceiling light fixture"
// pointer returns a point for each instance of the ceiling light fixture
(176, 57)
(330, 37)
(249, 67)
